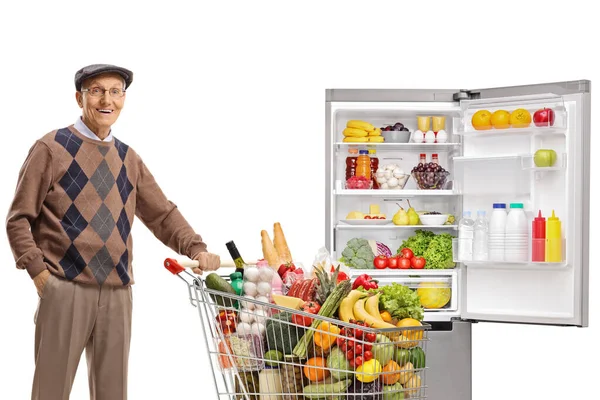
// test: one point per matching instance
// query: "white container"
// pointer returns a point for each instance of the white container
(480, 237)
(516, 234)
(496, 229)
(465, 236)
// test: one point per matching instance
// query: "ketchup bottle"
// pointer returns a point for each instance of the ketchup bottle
(351, 161)
(538, 238)
(374, 167)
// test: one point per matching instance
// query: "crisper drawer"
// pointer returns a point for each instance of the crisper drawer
(437, 289)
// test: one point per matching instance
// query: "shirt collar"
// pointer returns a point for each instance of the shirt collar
(82, 127)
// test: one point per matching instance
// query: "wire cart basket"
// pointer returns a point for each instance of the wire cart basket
(254, 353)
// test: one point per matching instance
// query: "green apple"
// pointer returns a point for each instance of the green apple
(544, 158)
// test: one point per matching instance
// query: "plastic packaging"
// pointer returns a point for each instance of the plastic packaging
(538, 238)
(496, 235)
(516, 234)
(363, 164)
(480, 237)
(269, 381)
(465, 237)
(553, 239)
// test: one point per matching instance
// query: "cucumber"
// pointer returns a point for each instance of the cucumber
(323, 391)
(215, 282)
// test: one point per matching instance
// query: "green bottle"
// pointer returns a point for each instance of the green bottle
(237, 282)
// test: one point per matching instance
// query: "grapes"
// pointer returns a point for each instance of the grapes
(398, 126)
(430, 175)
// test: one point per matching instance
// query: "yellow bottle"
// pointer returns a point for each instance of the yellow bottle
(553, 239)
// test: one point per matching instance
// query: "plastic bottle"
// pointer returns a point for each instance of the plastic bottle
(435, 159)
(351, 162)
(465, 237)
(374, 167)
(553, 239)
(363, 164)
(423, 158)
(480, 237)
(516, 234)
(496, 235)
(538, 238)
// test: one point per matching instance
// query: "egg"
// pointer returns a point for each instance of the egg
(244, 328)
(263, 288)
(430, 137)
(247, 317)
(418, 136)
(260, 316)
(247, 304)
(262, 299)
(257, 329)
(251, 274)
(266, 274)
(250, 288)
(442, 136)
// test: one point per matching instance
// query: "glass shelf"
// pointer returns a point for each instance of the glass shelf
(391, 226)
(412, 147)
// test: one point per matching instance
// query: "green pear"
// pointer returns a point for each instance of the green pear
(413, 217)
(401, 217)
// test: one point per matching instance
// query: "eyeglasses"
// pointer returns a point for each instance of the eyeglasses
(99, 92)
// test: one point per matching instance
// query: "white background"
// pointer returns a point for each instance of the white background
(218, 91)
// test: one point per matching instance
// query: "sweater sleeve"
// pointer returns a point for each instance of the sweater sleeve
(34, 182)
(163, 218)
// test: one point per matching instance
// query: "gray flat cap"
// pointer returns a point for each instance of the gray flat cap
(97, 69)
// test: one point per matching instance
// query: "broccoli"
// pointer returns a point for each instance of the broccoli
(358, 254)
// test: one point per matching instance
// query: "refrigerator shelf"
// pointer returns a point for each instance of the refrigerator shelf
(530, 131)
(391, 226)
(402, 194)
(523, 265)
(412, 147)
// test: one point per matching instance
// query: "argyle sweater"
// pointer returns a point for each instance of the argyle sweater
(74, 206)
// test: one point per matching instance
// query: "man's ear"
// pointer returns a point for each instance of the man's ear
(79, 98)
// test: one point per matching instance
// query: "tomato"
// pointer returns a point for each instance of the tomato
(393, 262)
(368, 217)
(358, 349)
(310, 307)
(404, 263)
(380, 262)
(367, 347)
(358, 333)
(358, 361)
(371, 337)
(340, 341)
(350, 354)
(407, 253)
(368, 356)
(418, 263)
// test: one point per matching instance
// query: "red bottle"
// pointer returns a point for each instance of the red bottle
(351, 163)
(374, 166)
(538, 238)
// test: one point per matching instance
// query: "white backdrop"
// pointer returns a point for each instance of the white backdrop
(227, 109)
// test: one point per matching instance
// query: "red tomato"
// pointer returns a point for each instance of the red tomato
(358, 361)
(418, 263)
(404, 263)
(380, 262)
(371, 337)
(393, 263)
(368, 356)
(407, 253)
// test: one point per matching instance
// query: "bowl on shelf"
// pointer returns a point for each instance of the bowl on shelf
(396, 136)
(399, 183)
(430, 180)
(359, 183)
(433, 219)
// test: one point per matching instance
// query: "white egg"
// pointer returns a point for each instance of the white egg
(418, 136)
(442, 136)
(261, 316)
(392, 182)
(250, 288)
(257, 329)
(247, 304)
(244, 328)
(262, 299)
(251, 274)
(263, 288)
(266, 274)
(388, 174)
(246, 317)
(429, 137)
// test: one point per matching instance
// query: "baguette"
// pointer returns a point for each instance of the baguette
(269, 252)
(281, 244)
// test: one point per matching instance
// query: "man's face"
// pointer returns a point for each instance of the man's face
(102, 111)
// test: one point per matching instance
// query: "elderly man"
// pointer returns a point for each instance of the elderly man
(69, 226)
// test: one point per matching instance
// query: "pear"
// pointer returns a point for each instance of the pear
(401, 217)
(413, 217)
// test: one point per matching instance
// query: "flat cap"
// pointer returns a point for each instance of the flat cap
(97, 69)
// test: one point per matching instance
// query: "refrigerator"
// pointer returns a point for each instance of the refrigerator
(485, 167)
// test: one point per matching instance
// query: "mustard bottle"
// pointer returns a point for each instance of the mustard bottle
(553, 239)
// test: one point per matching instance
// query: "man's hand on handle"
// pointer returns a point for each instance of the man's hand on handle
(40, 281)
(208, 262)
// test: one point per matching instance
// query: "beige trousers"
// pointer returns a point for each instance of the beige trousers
(71, 317)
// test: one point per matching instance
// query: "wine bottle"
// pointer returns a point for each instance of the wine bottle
(237, 258)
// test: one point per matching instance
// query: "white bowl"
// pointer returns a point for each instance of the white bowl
(433, 219)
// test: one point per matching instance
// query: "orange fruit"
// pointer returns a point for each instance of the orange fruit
(501, 119)
(520, 118)
(316, 369)
(481, 120)
(391, 373)
(413, 334)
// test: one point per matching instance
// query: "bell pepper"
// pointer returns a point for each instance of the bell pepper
(366, 281)
(310, 307)
(322, 338)
(227, 321)
(342, 276)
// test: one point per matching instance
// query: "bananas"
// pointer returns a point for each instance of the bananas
(372, 307)
(349, 139)
(360, 125)
(361, 131)
(361, 314)
(353, 132)
(347, 305)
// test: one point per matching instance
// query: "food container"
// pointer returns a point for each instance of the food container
(396, 136)
(433, 219)
(430, 180)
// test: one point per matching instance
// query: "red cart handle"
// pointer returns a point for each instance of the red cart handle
(176, 267)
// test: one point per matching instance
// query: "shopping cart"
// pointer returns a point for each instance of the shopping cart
(253, 348)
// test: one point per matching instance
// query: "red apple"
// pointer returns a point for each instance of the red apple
(544, 117)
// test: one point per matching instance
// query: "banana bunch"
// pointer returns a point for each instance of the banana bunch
(356, 306)
(361, 132)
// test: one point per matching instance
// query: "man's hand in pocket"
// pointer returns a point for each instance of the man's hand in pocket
(40, 281)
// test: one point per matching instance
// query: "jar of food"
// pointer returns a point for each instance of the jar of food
(292, 383)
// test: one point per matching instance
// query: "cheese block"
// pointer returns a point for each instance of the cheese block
(355, 215)
(287, 301)
(374, 209)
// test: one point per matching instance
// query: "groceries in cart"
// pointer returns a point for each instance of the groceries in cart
(324, 336)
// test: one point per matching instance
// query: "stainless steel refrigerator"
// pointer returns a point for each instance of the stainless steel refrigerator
(491, 159)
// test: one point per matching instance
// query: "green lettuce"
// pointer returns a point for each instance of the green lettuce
(400, 301)
(418, 243)
(439, 253)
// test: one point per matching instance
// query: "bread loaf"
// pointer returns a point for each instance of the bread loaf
(281, 244)
(269, 252)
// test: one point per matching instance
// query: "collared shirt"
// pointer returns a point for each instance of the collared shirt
(82, 127)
